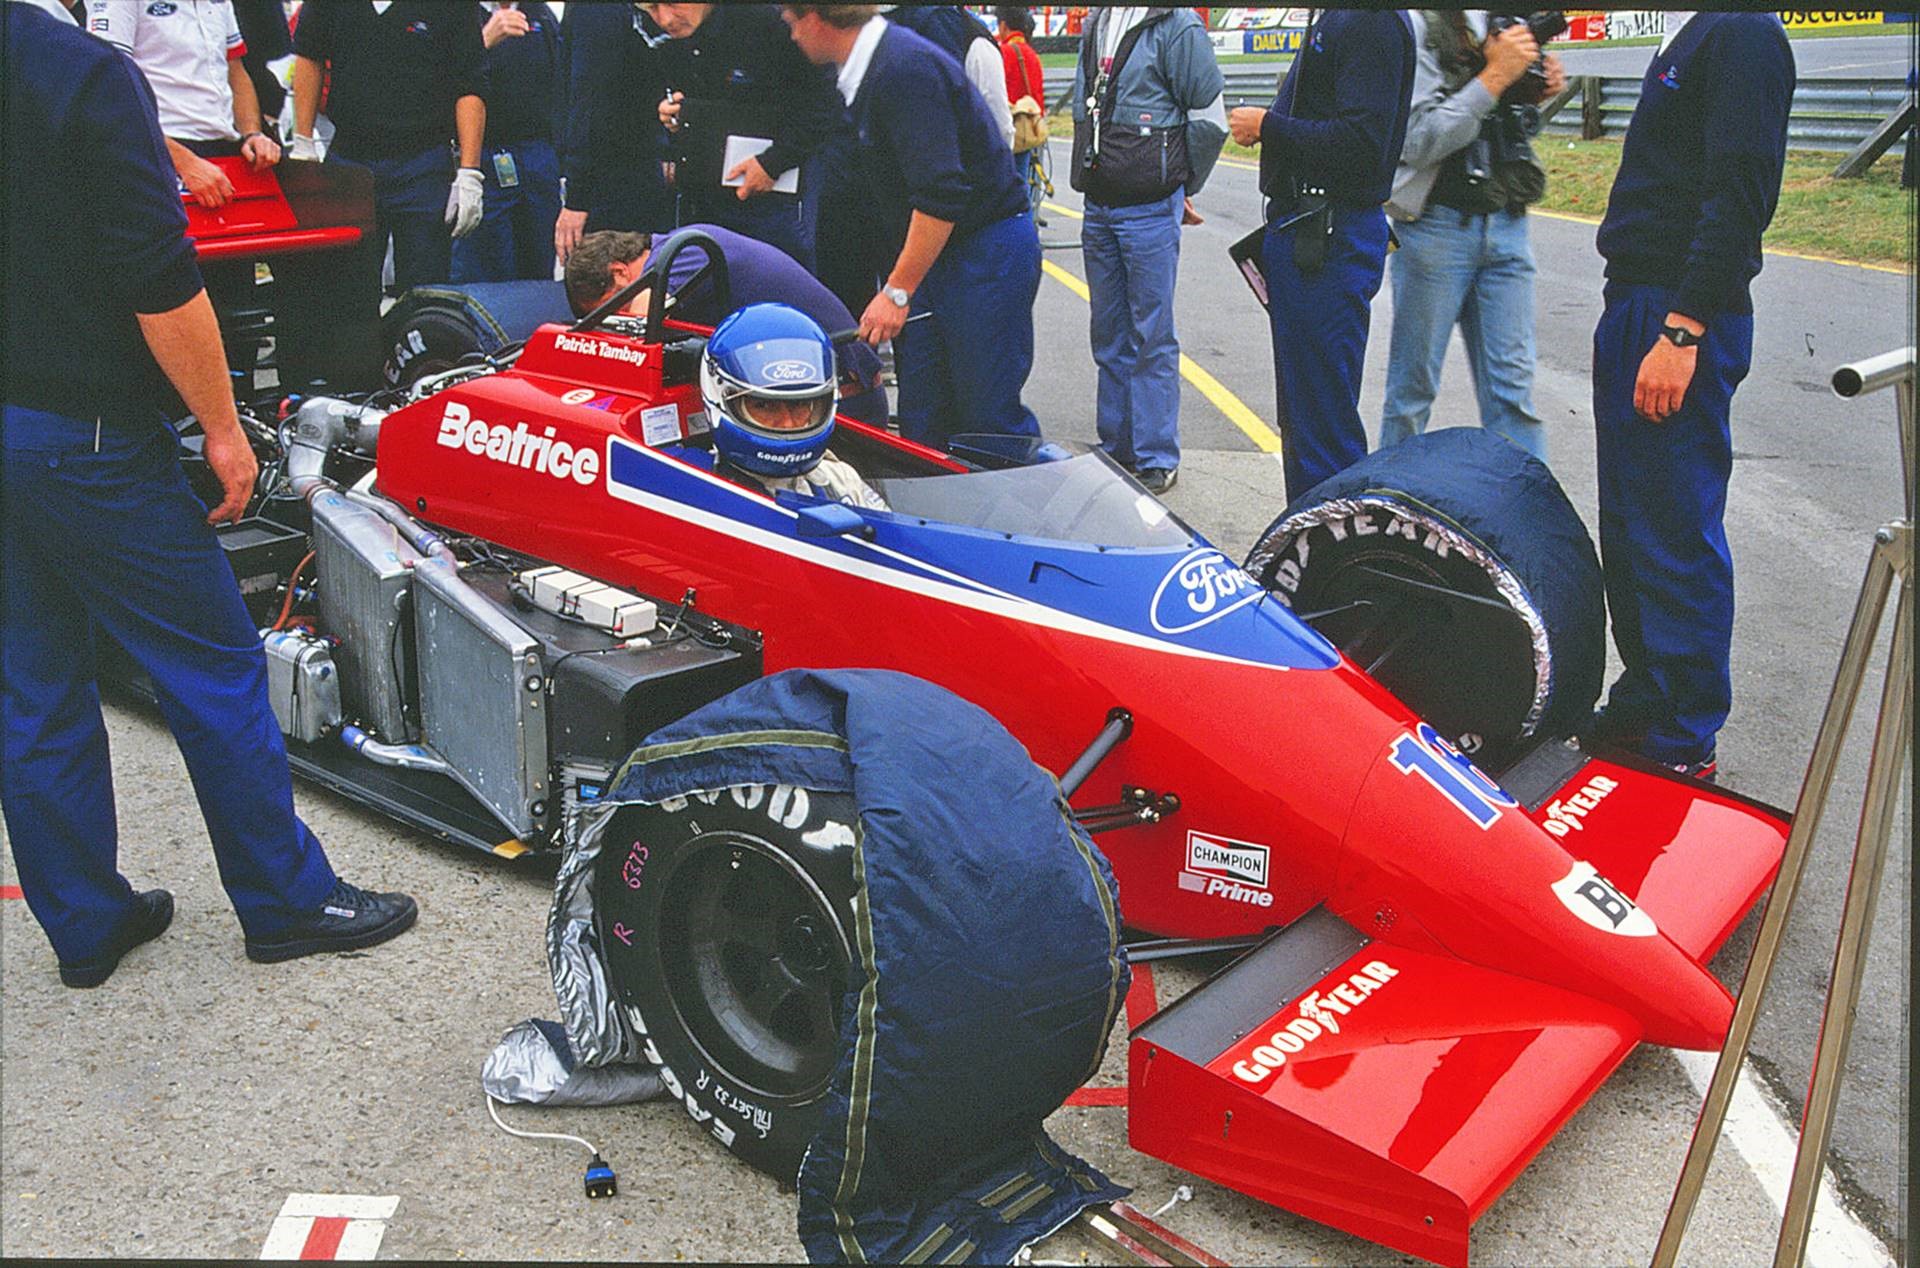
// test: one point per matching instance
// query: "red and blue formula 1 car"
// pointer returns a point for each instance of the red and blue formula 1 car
(525, 564)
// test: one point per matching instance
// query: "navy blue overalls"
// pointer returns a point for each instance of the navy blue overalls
(99, 532)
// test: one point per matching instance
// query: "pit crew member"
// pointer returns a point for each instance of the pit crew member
(767, 377)
(611, 177)
(961, 35)
(191, 51)
(524, 69)
(1328, 147)
(731, 72)
(948, 210)
(99, 533)
(406, 78)
(1699, 179)
(757, 273)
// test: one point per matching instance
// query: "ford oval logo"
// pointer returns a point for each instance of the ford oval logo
(1203, 587)
(788, 371)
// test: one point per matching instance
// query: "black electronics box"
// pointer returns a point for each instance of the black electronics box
(263, 555)
(607, 698)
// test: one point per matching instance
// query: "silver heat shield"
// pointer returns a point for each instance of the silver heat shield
(364, 569)
(595, 1025)
(481, 691)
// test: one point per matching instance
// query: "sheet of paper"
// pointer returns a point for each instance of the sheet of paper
(742, 148)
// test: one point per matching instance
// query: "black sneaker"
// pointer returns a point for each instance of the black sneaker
(152, 913)
(1157, 480)
(351, 918)
(1706, 769)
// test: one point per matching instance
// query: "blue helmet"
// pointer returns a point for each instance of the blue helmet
(769, 383)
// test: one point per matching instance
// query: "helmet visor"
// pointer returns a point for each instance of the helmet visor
(784, 414)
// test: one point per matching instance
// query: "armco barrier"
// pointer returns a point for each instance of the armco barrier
(1828, 114)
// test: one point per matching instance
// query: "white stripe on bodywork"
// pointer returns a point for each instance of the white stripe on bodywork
(950, 588)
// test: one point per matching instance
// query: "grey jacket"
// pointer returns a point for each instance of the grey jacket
(1172, 78)
(1438, 122)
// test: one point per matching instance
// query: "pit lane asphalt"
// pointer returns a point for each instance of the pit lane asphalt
(171, 1112)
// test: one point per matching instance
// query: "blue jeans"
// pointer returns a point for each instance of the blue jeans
(1663, 540)
(1132, 256)
(1319, 325)
(410, 207)
(112, 541)
(787, 221)
(514, 240)
(962, 366)
(1476, 271)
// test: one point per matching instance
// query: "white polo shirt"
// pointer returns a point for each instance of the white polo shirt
(182, 47)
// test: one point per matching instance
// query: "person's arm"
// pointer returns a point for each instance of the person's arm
(987, 72)
(1440, 122)
(470, 128)
(1193, 75)
(185, 342)
(256, 147)
(307, 76)
(205, 182)
(926, 238)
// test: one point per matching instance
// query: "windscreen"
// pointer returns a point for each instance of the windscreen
(1081, 499)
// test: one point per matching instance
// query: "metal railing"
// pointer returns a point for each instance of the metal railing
(1828, 114)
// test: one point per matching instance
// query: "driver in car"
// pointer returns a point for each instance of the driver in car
(768, 380)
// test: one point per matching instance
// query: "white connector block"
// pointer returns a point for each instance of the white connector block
(567, 593)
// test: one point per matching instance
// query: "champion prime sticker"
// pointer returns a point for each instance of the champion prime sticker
(660, 425)
(1221, 867)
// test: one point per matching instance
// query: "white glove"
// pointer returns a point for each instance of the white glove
(307, 147)
(464, 201)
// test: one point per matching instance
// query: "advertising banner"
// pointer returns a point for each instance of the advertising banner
(1814, 19)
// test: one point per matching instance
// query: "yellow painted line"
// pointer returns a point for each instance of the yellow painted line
(510, 849)
(1065, 211)
(1226, 160)
(1215, 391)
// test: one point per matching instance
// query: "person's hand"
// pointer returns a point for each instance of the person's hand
(308, 148)
(231, 459)
(207, 184)
(1188, 216)
(753, 178)
(669, 174)
(260, 150)
(567, 231)
(1508, 55)
(1665, 373)
(1244, 123)
(503, 25)
(1556, 78)
(465, 201)
(882, 321)
(670, 110)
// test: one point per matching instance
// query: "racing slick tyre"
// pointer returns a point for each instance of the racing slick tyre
(727, 924)
(434, 328)
(1452, 568)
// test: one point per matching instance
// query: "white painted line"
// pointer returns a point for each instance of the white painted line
(1760, 1129)
(346, 1206)
(329, 1226)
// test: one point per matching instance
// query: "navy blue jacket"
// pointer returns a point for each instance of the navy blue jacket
(1341, 113)
(94, 227)
(926, 143)
(610, 160)
(1700, 171)
(947, 27)
(396, 75)
(524, 78)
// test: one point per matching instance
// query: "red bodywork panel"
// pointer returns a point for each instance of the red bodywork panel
(261, 220)
(1519, 976)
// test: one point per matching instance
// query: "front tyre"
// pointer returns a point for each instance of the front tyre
(726, 919)
(1452, 568)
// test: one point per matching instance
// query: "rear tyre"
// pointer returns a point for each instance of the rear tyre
(424, 334)
(727, 923)
(1452, 568)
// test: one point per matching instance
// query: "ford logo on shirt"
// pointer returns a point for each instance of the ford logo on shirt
(162, 9)
(1198, 590)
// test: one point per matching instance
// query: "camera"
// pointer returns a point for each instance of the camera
(1531, 88)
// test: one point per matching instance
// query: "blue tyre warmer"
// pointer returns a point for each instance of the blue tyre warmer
(988, 966)
(1502, 527)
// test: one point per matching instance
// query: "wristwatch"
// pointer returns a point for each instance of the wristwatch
(899, 295)
(1679, 337)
